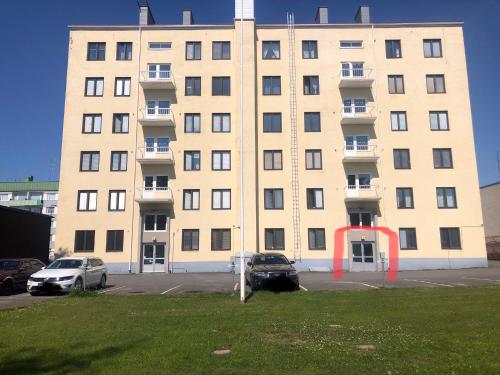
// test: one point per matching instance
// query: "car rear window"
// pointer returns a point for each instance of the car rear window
(270, 259)
(8, 265)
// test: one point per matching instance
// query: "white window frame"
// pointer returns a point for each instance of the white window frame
(351, 42)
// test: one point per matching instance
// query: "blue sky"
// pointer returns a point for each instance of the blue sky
(34, 37)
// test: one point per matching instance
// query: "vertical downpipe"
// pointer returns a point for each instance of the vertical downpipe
(242, 195)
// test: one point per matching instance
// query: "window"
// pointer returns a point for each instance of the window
(160, 45)
(439, 120)
(120, 123)
(221, 122)
(272, 122)
(401, 158)
(124, 51)
(190, 239)
(122, 87)
(311, 85)
(450, 238)
(114, 240)
(221, 199)
(87, 200)
(191, 160)
(273, 199)
(273, 160)
(118, 160)
(192, 123)
(446, 197)
(84, 241)
(221, 86)
(191, 199)
(155, 223)
(309, 49)
(275, 238)
(358, 219)
(221, 160)
(221, 239)
(4, 197)
(442, 158)
(393, 49)
(351, 44)
(315, 199)
(404, 197)
(313, 159)
(116, 200)
(398, 121)
(50, 210)
(221, 50)
(92, 123)
(270, 50)
(89, 161)
(316, 238)
(193, 50)
(96, 51)
(396, 84)
(432, 48)
(312, 122)
(193, 86)
(272, 85)
(407, 239)
(94, 86)
(435, 84)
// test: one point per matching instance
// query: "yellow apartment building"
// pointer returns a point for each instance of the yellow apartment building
(360, 124)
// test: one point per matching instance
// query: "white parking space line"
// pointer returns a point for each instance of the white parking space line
(304, 288)
(477, 278)
(169, 290)
(357, 282)
(236, 286)
(111, 290)
(429, 282)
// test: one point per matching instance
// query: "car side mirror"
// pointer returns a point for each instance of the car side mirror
(43, 268)
(249, 264)
(292, 262)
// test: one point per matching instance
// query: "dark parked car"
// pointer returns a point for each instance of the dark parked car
(14, 273)
(271, 270)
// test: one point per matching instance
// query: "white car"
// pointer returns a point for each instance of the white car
(65, 274)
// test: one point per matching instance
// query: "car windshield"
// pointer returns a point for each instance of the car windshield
(65, 263)
(270, 259)
(8, 265)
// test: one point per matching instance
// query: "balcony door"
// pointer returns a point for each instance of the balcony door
(353, 106)
(352, 69)
(157, 108)
(356, 143)
(158, 71)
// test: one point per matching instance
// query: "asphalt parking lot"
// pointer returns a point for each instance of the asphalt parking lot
(164, 284)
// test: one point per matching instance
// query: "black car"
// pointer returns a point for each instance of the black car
(14, 273)
(271, 270)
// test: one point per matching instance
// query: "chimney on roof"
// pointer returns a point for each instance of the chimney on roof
(28, 179)
(187, 17)
(363, 14)
(322, 15)
(244, 8)
(145, 15)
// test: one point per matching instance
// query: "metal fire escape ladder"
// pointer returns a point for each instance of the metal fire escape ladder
(293, 133)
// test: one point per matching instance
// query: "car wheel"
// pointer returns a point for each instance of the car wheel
(7, 287)
(34, 293)
(78, 285)
(102, 284)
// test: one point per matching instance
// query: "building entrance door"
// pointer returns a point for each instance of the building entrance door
(153, 257)
(363, 256)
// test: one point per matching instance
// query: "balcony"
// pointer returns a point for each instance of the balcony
(155, 155)
(157, 80)
(156, 117)
(362, 193)
(23, 203)
(358, 115)
(154, 195)
(360, 154)
(356, 78)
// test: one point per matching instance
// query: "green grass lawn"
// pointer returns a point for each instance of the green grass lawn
(427, 330)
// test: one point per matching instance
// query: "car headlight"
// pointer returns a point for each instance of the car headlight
(64, 278)
(263, 274)
(292, 273)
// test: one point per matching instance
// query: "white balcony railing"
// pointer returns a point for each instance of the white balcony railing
(362, 192)
(155, 194)
(362, 114)
(156, 116)
(361, 152)
(157, 79)
(356, 73)
(155, 155)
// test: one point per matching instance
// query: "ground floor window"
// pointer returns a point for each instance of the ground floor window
(407, 238)
(275, 238)
(316, 238)
(114, 240)
(190, 239)
(84, 240)
(450, 238)
(221, 239)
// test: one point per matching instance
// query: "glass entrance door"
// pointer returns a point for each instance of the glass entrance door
(363, 256)
(153, 258)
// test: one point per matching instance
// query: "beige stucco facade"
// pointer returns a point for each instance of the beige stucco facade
(380, 200)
